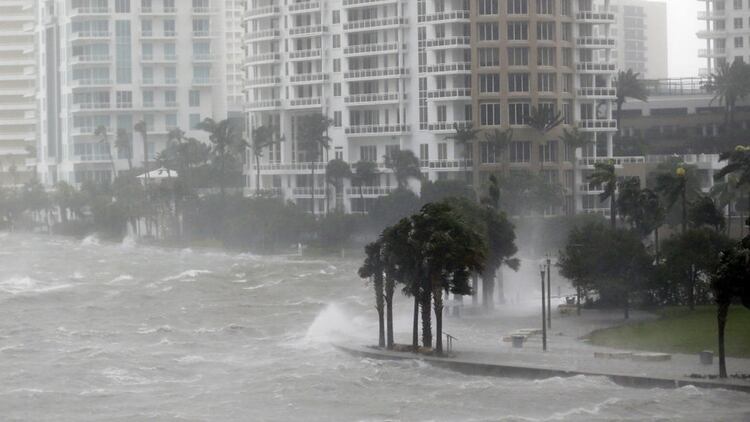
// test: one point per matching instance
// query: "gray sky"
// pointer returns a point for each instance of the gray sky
(682, 17)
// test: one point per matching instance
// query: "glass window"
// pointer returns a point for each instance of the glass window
(194, 99)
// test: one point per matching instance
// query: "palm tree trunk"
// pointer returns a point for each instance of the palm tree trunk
(426, 318)
(474, 289)
(656, 245)
(575, 183)
(379, 306)
(389, 288)
(721, 317)
(613, 211)
(691, 291)
(312, 191)
(415, 327)
(437, 295)
(488, 284)
(257, 175)
(684, 210)
(578, 301)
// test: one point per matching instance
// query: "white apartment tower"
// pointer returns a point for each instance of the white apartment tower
(18, 129)
(395, 74)
(641, 32)
(726, 33)
(114, 63)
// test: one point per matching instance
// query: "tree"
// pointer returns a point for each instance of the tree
(575, 139)
(726, 193)
(101, 131)
(703, 212)
(364, 173)
(604, 175)
(677, 186)
(336, 171)
(405, 166)
(262, 138)
(543, 120)
(124, 145)
(464, 136)
(642, 209)
(729, 84)
(738, 164)
(628, 85)
(499, 141)
(442, 189)
(731, 280)
(373, 268)
(226, 145)
(142, 128)
(313, 135)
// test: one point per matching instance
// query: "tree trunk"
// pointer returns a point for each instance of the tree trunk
(389, 288)
(415, 326)
(578, 301)
(313, 188)
(499, 284)
(723, 311)
(613, 211)
(437, 295)
(691, 289)
(627, 305)
(362, 197)
(379, 303)
(488, 284)
(656, 244)
(257, 175)
(619, 116)
(474, 289)
(684, 209)
(426, 319)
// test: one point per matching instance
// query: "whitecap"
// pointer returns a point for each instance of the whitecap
(90, 240)
(239, 281)
(161, 329)
(25, 285)
(191, 359)
(188, 275)
(120, 279)
(77, 276)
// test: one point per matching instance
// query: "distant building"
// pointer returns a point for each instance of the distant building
(18, 72)
(726, 33)
(641, 32)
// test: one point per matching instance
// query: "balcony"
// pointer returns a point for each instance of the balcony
(370, 191)
(447, 17)
(714, 52)
(448, 126)
(263, 12)
(593, 125)
(305, 167)
(205, 10)
(447, 68)
(264, 81)
(263, 35)
(448, 42)
(377, 130)
(454, 93)
(309, 78)
(205, 34)
(446, 164)
(153, 59)
(310, 102)
(91, 59)
(305, 7)
(307, 31)
(711, 34)
(83, 83)
(307, 191)
(205, 57)
(595, 17)
(387, 73)
(372, 49)
(305, 55)
(712, 15)
(89, 106)
(264, 58)
(151, 11)
(373, 98)
(86, 12)
(205, 81)
(372, 24)
(617, 161)
(588, 67)
(90, 36)
(595, 42)
(367, 3)
(272, 104)
(598, 93)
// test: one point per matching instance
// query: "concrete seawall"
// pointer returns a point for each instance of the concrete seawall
(477, 367)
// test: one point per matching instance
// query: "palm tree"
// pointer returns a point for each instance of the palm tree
(676, 187)
(642, 209)
(727, 193)
(405, 165)
(543, 120)
(628, 85)
(124, 143)
(313, 135)
(373, 268)
(336, 171)
(574, 139)
(104, 140)
(604, 175)
(226, 140)
(499, 141)
(364, 172)
(262, 138)
(729, 84)
(738, 164)
(142, 128)
(464, 136)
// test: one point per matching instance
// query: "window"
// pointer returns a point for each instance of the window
(337, 41)
(337, 89)
(123, 51)
(170, 51)
(545, 31)
(738, 23)
(548, 152)
(488, 7)
(565, 7)
(737, 4)
(545, 7)
(518, 113)
(489, 83)
(169, 28)
(488, 31)
(337, 65)
(545, 56)
(489, 57)
(170, 98)
(147, 29)
(546, 82)
(194, 98)
(487, 153)
(518, 56)
(392, 150)
(124, 99)
(336, 17)
(170, 121)
(147, 51)
(739, 42)
(442, 151)
(489, 114)
(518, 7)
(195, 119)
(520, 151)
(518, 82)
(424, 152)
(170, 75)
(337, 119)
(518, 31)
(122, 6)
(148, 75)
(567, 31)
(368, 153)
(442, 113)
(148, 98)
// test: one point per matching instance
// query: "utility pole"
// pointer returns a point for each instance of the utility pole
(549, 292)
(544, 312)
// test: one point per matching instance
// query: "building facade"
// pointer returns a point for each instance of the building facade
(395, 74)
(726, 33)
(18, 72)
(641, 32)
(115, 63)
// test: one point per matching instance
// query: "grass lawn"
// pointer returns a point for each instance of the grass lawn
(680, 331)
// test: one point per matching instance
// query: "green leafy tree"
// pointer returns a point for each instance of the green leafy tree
(227, 146)
(604, 175)
(336, 171)
(313, 138)
(405, 166)
(263, 137)
(738, 165)
(374, 269)
(726, 193)
(729, 84)
(498, 141)
(364, 174)
(102, 133)
(675, 186)
(142, 128)
(703, 212)
(442, 189)
(642, 209)
(628, 85)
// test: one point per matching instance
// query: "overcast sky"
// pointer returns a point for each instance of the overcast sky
(682, 16)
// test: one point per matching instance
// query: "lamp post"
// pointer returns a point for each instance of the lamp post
(542, 268)
(549, 292)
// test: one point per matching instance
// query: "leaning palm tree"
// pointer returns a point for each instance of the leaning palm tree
(676, 187)
(574, 139)
(336, 171)
(101, 131)
(605, 176)
(373, 268)
(464, 136)
(738, 163)
(726, 193)
(226, 143)
(405, 166)
(262, 137)
(313, 137)
(628, 85)
(543, 120)
(142, 128)
(124, 144)
(499, 141)
(729, 84)
(364, 172)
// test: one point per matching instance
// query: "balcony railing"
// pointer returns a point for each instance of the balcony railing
(377, 129)
(301, 167)
(303, 7)
(593, 124)
(446, 42)
(596, 67)
(372, 48)
(455, 15)
(370, 191)
(376, 73)
(373, 98)
(307, 191)
(597, 92)
(595, 42)
(374, 23)
(307, 30)
(449, 93)
(446, 68)
(310, 77)
(305, 102)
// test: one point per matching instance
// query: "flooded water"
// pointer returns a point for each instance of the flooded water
(96, 331)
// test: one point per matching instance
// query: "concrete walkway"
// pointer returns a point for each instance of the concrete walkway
(480, 343)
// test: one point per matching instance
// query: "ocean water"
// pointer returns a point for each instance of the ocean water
(93, 331)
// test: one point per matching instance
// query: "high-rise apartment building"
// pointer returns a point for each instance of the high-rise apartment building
(18, 129)
(114, 63)
(396, 74)
(726, 33)
(641, 32)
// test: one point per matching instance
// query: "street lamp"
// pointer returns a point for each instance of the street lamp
(549, 292)
(542, 268)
